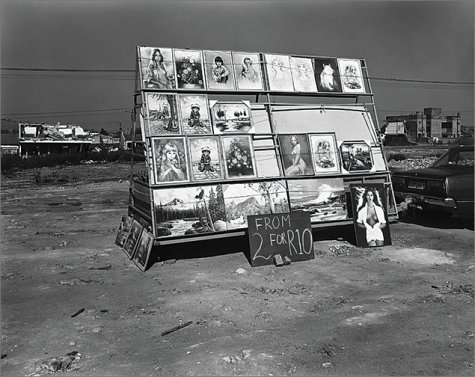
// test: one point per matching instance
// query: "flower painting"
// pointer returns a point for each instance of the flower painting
(189, 69)
(303, 75)
(205, 158)
(324, 153)
(231, 117)
(327, 75)
(278, 72)
(351, 76)
(161, 114)
(156, 68)
(193, 113)
(219, 70)
(238, 156)
(247, 67)
(170, 160)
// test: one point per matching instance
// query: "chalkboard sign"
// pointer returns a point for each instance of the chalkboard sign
(287, 234)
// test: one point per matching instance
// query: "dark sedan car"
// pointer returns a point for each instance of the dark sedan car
(446, 186)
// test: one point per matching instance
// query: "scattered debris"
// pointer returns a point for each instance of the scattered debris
(287, 261)
(278, 260)
(241, 271)
(102, 268)
(59, 363)
(235, 358)
(468, 334)
(326, 365)
(169, 261)
(77, 313)
(177, 328)
(339, 249)
(339, 239)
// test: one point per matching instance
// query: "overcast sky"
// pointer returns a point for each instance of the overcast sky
(427, 41)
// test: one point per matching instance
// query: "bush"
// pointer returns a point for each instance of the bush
(397, 157)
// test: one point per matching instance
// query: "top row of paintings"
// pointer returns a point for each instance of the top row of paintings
(167, 68)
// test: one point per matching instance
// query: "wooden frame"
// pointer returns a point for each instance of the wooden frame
(248, 71)
(157, 69)
(327, 75)
(219, 70)
(238, 155)
(132, 239)
(279, 77)
(161, 114)
(303, 74)
(123, 230)
(325, 155)
(189, 69)
(231, 117)
(296, 154)
(356, 156)
(351, 75)
(194, 117)
(170, 160)
(205, 158)
(143, 250)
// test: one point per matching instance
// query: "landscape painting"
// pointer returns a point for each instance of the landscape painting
(303, 75)
(356, 156)
(324, 153)
(189, 69)
(162, 114)
(205, 157)
(327, 75)
(247, 67)
(170, 160)
(219, 70)
(193, 114)
(244, 199)
(156, 68)
(238, 156)
(185, 211)
(323, 198)
(231, 117)
(278, 72)
(351, 76)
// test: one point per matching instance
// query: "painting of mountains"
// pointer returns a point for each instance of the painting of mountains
(244, 199)
(324, 198)
(188, 211)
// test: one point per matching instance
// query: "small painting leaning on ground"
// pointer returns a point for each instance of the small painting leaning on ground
(184, 211)
(370, 216)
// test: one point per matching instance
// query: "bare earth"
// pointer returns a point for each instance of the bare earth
(405, 309)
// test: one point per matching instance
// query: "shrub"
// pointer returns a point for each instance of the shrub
(397, 157)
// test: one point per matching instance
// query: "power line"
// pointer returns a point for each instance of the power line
(68, 112)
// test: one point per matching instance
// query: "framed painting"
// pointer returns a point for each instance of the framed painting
(170, 160)
(231, 117)
(193, 113)
(161, 114)
(356, 156)
(219, 70)
(247, 68)
(351, 76)
(260, 198)
(323, 198)
(327, 75)
(187, 211)
(132, 238)
(324, 153)
(296, 154)
(143, 250)
(205, 159)
(123, 231)
(303, 75)
(279, 76)
(189, 69)
(370, 215)
(157, 70)
(238, 156)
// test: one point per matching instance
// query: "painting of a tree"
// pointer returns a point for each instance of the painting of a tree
(272, 192)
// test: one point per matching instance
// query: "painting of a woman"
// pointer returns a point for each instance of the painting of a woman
(157, 68)
(170, 160)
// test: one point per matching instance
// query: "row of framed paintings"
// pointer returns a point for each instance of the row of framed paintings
(214, 158)
(193, 114)
(187, 211)
(170, 68)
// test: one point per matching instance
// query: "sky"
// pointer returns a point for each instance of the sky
(418, 53)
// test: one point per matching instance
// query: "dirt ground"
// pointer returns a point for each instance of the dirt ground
(405, 309)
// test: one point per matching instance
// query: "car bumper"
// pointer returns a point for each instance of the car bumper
(405, 200)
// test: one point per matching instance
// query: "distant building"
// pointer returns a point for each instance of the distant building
(429, 125)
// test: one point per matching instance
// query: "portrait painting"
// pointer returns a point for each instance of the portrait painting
(247, 68)
(132, 238)
(303, 75)
(370, 216)
(156, 68)
(323, 198)
(219, 70)
(161, 114)
(296, 154)
(278, 71)
(143, 250)
(231, 117)
(205, 158)
(238, 156)
(356, 156)
(351, 76)
(327, 75)
(188, 211)
(189, 69)
(324, 153)
(193, 112)
(256, 198)
(170, 160)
